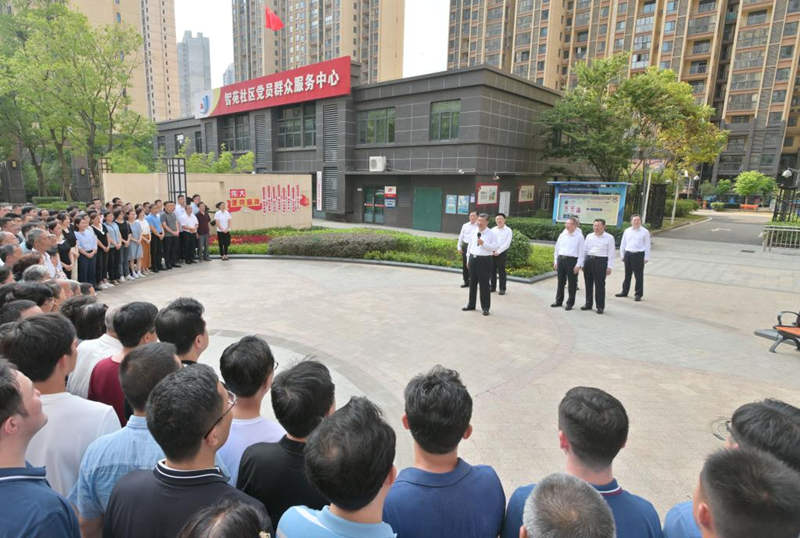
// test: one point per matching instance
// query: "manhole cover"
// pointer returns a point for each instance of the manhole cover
(749, 251)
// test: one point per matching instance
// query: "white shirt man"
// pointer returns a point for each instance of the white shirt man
(481, 251)
(567, 257)
(504, 235)
(597, 262)
(468, 230)
(90, 352)
(634, 249)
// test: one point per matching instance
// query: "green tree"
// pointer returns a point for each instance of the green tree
(224, 164)
(245, 163)
(753, 182)
(723, 187)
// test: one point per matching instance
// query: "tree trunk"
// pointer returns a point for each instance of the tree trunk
(63, 166)
(94, 176)
(41, 185)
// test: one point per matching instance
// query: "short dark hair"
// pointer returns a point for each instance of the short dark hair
(245, 365)
(350, 454)
(439, 409)
(12, 310)
(10, 396)
(635, 215)
(751, 493)
(6, 251)
(473, 211)
(38, 292)
(601, 221)
(302, 396)
(143, 368)
(90, 322)
(86, 288)
(134, 320)
(769, 425)
(229, 517)
(180, 322)
(25, 261)
(5, 271)
(483, 216)
(181, 408)
(501, 214)
(595, 424)
(72, 306)
(37, 343)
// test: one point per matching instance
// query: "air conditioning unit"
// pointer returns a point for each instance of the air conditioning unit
(377, 163)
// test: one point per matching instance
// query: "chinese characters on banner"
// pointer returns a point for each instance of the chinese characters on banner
(282, 199)
(237, 199)
(316, 81)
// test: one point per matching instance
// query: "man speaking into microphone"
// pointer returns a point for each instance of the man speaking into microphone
(481, 248)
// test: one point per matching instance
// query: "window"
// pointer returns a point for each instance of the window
(775, 117)
(495, 13)
(620, 26)
(639, 61)
(771, 140)
(778, 96)
(790, 28)
(297, 126)
(788, 141)
(672, 6)
(582, 19)
(542, 33)
(198, 141)
(650, 7)
(445, 120)
(736, 144)
(746, 81)
(698, 67)
(582, 36)
(604, 11)
(545, 14)
(701, 47)
(623, 7)
(119, 17)
(792, 121)
(753, 58)
(752, 38)
(698, 86)
(782, 74)
(669, 27)
(540, 65)
(642, 42)
(376, 126)
(664, 64)
(767, 159)
(542, 48)
(786, 52)
(701, 26)
(741, 119)
(644, 24)
(706, 5)
(666, 46)
(619, 43)
(603, 30)
(794, 6)
(234, 133)
(161, 145)
(757, 17)
(742, 101)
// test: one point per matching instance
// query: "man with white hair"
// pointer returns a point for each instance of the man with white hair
(90, 352)
(564, 506)
(35, 273)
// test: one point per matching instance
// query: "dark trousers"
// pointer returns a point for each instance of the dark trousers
(113, 263)
(86, 269)
(594, 277)
(566, 275)
(100, 266)
(155, 253)
(224, 241)
(188, 246)
(171, 248)
(480, 269)
(634, 265)
(499, 268)
(464, 263)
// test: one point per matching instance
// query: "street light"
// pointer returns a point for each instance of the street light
(675, 202)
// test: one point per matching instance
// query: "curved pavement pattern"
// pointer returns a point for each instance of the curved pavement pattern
(679, 361)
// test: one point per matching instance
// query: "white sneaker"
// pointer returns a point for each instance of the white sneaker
(133, 276)
(122, 279)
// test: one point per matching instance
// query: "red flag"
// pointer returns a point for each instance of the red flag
(272, 21)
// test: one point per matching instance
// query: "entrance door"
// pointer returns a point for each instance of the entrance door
(373, 205)
(505, 202)
(427, 213)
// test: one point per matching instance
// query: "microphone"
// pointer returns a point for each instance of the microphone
(479, 235)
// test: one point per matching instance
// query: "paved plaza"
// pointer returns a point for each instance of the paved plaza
(680, 361)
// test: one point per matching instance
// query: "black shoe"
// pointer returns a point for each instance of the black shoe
(465, 285)
(177, 265)
(206, 259)
(620, 295)
(467, 309)
(555, 305)
(599, 310)
(189, 262)
(637, 298)
(502, 292)
(493, 291)
(485, 312)
(568, 307)
(586, 307)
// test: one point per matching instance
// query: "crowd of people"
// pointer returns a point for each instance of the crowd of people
(110, 426)
(101, 246)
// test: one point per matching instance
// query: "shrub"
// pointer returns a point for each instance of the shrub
(339, 245)
(683, 208)
(38, 200)
(411, 257)
(520, 250)
(547, 230)
(717, 206)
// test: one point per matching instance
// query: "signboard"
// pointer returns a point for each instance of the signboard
(450, 204)
(487, 194)
(526, 193)
(319, 190)
(390, 191)
(390, 202)
(587, 201)
(463, 204)
(316, 81)
(286, 198)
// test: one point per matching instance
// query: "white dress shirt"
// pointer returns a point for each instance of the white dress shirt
(503, 235)
(179, 210)
(569, 244)
(468, 230)
(489, 243)
(189, 220)
(90, 352)
(47, 262)
(634, 240)
(599, 245)
(223, 219)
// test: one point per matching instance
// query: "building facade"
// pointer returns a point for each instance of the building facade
(739, 56)
(194, 68)
(154, 87)
(370, 31)
(417, 152)
(229, 76)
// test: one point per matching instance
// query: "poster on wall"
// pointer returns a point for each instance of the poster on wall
(238, 199)
(390, 202)
(487, 194)
(463, 204)
(319, 190)
(588, 201)
(450, 204)
(390, 191)
(526, 193)
(282, 199)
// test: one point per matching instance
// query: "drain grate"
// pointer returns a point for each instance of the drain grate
(749, 251)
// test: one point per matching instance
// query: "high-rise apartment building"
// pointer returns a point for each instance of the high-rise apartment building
(154, 88)
(194, 68)
(739, 56)
(229, 76)
(370, 31)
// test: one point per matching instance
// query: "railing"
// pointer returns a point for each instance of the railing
(780, 237)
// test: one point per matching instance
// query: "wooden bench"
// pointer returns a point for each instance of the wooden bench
(751, 207)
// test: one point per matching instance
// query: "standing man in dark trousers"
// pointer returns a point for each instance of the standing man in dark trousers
(169, 221)
(567, 257)
(467, 231)
(503, 234)
(598, 259)
(156, 236)
(480, 251)
(634, 249)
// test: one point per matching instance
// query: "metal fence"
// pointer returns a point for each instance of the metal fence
(780, 237)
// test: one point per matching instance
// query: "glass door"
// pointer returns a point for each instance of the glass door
(373, 205)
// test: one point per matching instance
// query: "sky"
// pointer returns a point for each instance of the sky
(424, 49)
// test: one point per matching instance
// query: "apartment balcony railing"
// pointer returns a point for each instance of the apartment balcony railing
(698, 69)
(695, 29)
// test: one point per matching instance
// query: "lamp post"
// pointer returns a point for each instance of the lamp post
(675, 201)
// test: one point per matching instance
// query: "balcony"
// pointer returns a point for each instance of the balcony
(696, 29)
(698, 69)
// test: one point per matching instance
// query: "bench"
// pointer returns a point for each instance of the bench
(751, 207)
(783, 332)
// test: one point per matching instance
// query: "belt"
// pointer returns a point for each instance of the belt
(598, 257)
(570, 257)
(480, 255)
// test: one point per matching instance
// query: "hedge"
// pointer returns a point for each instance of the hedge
(717, 206)
(340, 245)
(683, 208)
(547, 230)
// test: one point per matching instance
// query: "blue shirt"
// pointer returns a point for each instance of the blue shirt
(467, 502)
(634, 516)
(155, 222)
(113, 231)
(680, 522)
(303, 522)
(86, 239)
(31, 508)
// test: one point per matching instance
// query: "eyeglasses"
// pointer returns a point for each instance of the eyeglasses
(721, 429)
(231, 402)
